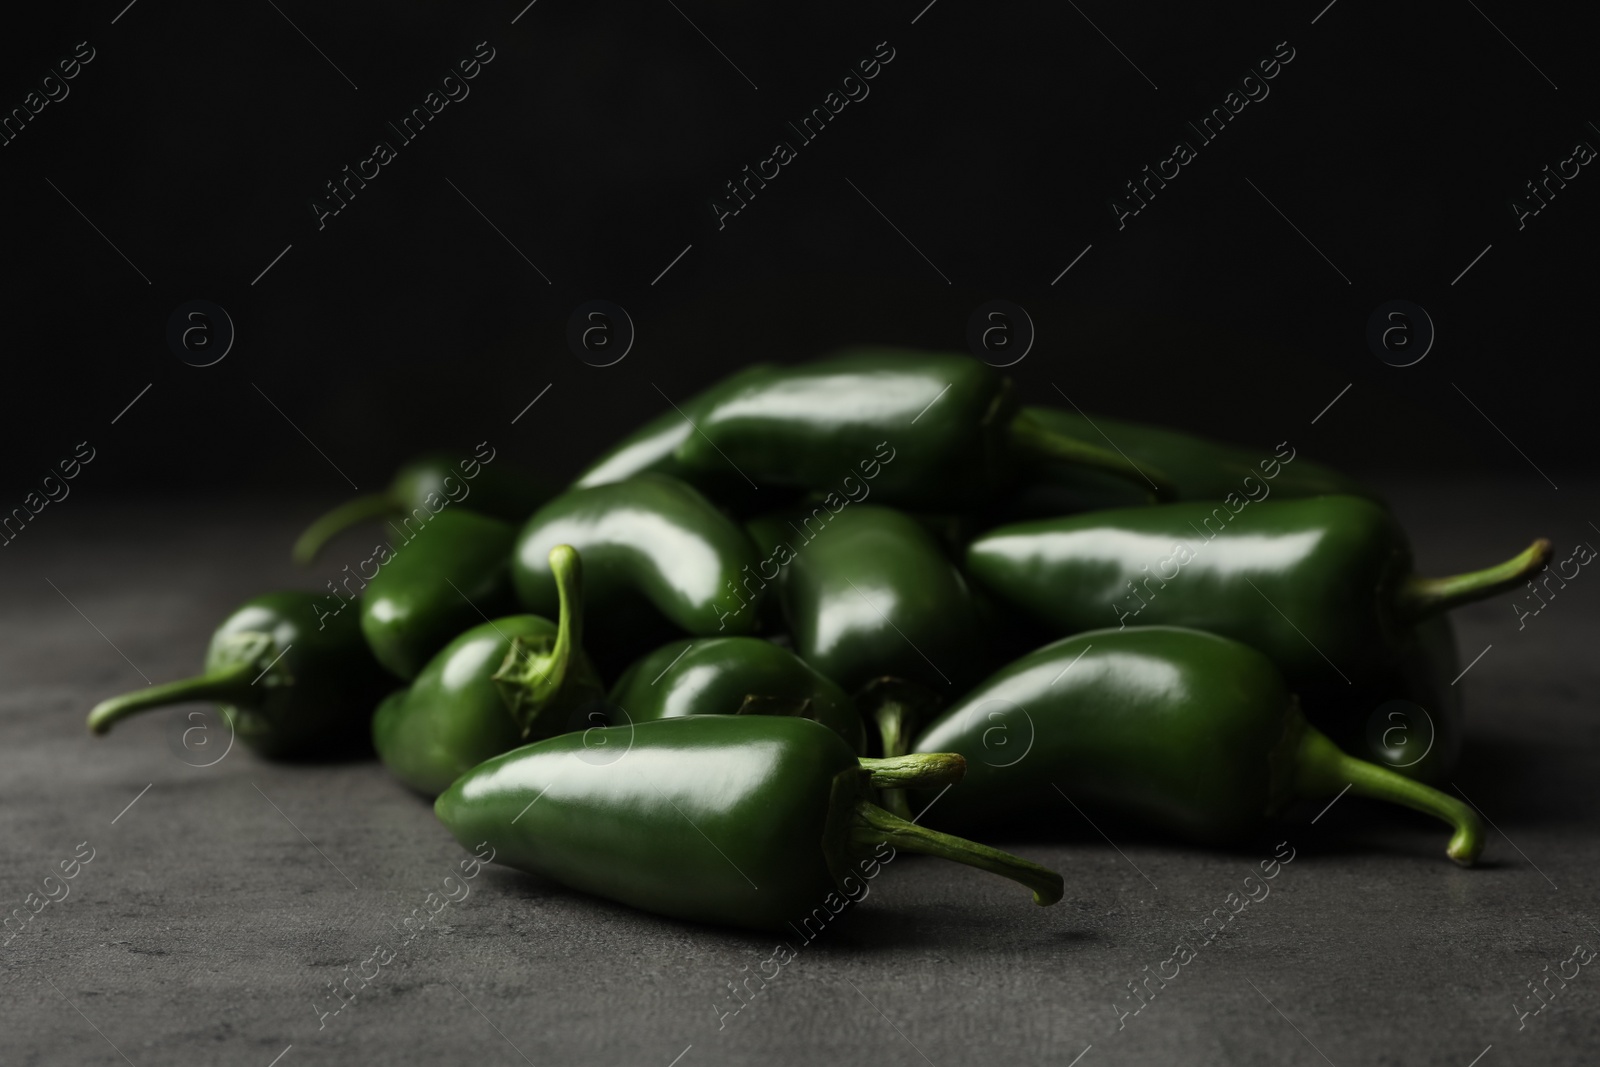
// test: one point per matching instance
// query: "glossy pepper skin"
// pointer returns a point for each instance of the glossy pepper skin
(287, 688)
(1199, 469)
(734, 676)
(867, 591)
(454, 573)
(499, 685)
(753, 821)
(652, 449)
(426, 486)
(1185, 731)
(1324, 586)
(650, 540)
(950, 422)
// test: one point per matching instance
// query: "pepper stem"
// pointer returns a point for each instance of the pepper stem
(1420, 597)
(872, 825)
(1322, 770)
(1032, 440)
(229, 685)
(534, 675)
(899, 708)
(341, 518)
(896, 727)
(922, 770)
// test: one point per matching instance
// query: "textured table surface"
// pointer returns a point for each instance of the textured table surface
(218, 909)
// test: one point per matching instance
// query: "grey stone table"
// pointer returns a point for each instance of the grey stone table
(222, 902)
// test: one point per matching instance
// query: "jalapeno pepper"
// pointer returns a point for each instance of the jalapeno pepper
(454, 572)
(499, 685)
(286, 688)
(1189, 732)
(652, 449)
(733, 676)
(934, 430)
(1199, 469)
(1323, 585)
(867, 591)
(650, 540)
(424, 487)
(744, 820)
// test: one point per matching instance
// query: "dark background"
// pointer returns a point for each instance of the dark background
(197, 138)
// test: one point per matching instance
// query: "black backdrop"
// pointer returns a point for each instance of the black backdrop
(979, 165)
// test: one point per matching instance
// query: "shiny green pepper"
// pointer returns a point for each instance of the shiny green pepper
(867, 592)
(753, 821)
(499, 685)
(455, 572)
(287, 689)
(427, 485)
(733, 676)
(950, 425)
(1186, 731)
(648, 541)
(652, 449)
(1324, 586)
(1199, 469)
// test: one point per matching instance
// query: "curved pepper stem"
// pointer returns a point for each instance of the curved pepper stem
(1420, 597)
(341, 518)
(535, 676)
(899, 709)
(1031, 440)
(231, 685)
(872, 825)
(1322, 770)
(922, 770)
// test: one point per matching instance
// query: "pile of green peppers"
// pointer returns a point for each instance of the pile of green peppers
(818, 614)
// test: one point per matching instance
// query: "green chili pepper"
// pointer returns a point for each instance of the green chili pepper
(651, 449)
(456, 571)
(499, 685)
(1323, 585)
(287, 689)
(867, 591)
(745, 820)
(934, 430)
(1187, 731)
(423, 488)
(648, 540)
(734, 676)
(1199, 469)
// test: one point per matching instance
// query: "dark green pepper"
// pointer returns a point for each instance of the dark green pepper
(287, 689)
(454, 573)
(499, 685)
(1189, 732)
(935, 430)
(652, 448)
(424, 487)
(867, 591)
(1199, 469)
(647, 450)
(744, 820)
(648, 541)
(1324, 586)
(734, 676)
